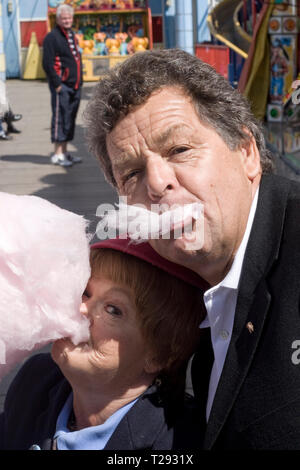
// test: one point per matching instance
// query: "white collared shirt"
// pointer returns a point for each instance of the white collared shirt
(220, 303)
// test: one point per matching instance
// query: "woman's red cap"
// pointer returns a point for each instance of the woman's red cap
(145, 252)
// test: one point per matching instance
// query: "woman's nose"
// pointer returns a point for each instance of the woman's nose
(161, 178)
(83, 309)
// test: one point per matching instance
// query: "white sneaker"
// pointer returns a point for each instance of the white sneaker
(73, 159)
(61, 159)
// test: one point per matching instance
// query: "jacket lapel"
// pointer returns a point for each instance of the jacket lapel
(140, 426)
(46, 422)
(253, 300)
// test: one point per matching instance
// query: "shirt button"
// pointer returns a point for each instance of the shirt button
(224, 334)
(34, 447)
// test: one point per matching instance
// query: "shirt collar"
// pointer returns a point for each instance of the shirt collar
(90, 438)
(231, 280)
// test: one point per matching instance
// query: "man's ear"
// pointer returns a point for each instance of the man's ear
(251, 157)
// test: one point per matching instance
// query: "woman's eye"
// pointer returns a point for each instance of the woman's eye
(86, 294)
(112, 310)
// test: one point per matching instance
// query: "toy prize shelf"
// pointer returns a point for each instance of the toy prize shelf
(107, 32)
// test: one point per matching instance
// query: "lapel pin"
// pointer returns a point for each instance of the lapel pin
(250, 327)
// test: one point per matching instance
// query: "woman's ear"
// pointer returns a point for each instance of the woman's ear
(151, 366)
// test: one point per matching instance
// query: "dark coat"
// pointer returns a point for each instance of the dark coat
(257, 403)
(39, 392)
(59, 63)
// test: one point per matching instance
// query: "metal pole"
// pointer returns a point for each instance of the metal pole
(169, 23)
(184, 25)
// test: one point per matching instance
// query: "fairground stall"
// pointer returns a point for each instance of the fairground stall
(108, 31)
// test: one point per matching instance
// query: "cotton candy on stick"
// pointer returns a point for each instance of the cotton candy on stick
(44, 269)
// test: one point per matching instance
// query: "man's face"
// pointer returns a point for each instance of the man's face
(162, 153)
(65, 20)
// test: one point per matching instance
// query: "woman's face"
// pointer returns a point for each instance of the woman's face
(116, 352)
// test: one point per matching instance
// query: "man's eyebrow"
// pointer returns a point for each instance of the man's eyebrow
(162, 136)
(122, 162)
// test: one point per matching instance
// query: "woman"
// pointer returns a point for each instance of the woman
(124, 389)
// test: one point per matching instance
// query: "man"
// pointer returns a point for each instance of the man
(168, 129)
(62, 64)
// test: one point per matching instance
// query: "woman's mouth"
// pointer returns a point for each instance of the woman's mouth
(84, 346)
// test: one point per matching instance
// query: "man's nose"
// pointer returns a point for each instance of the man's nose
(160, 177)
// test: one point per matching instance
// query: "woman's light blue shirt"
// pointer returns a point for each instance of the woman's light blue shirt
(91, 438)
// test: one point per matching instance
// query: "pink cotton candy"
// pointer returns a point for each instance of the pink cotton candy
(44, 269)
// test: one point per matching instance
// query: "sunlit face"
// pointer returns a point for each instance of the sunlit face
(161, 153)
(116, 352)
(65, 20)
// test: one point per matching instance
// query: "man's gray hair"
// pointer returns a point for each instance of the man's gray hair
(61, 8)
(131, 83)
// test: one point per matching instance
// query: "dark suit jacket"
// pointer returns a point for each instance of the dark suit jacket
(257, 402)
(39, 392)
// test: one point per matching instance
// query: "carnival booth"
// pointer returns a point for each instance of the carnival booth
(283, 33)
(283, 115)
(108, 31)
